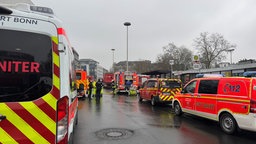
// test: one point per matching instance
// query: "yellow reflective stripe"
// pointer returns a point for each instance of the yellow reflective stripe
(5, 138)
(56, 81)
(51, 100)
(40, 115)
(171, 97)
(55, 39)
(56, 59)
(24, 127)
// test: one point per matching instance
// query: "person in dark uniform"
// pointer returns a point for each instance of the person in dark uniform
(113, 85)
(99, 86)
(90, 90)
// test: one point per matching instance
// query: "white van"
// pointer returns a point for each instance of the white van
(38, 99)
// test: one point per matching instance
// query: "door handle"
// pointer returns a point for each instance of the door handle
(2, 117)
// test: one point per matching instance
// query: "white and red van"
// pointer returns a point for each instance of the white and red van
(229, 100)
(38, 98)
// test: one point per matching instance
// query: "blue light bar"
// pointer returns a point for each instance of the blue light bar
(209, 75)
(249, 74)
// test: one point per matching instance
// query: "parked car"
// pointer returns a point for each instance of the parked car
(159, 90)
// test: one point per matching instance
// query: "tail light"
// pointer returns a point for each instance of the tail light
(62, 124)
(253, 106)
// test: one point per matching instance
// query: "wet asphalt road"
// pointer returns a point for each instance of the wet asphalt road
(123, 120)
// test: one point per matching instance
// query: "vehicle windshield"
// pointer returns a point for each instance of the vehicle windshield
(25, 65)
(170, 84)
(78, 76)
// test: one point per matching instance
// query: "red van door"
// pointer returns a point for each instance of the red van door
(205, 99)
(187, 97)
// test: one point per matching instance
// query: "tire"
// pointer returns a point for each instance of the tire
(177, 109)
(76, 120)
(153, 101)
(140, 98)
(228, 123)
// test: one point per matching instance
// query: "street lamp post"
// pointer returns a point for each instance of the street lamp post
(113, 50)
(127, 24)
(171, 62)
(230, 51)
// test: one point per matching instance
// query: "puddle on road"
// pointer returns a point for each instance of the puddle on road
(164, 126)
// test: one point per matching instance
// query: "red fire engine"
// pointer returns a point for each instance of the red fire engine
(81, 82)
(124, 79)
(107, 79)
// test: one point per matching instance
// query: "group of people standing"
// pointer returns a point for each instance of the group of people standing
(95, 89)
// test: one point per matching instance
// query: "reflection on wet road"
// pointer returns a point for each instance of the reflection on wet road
(123, 120)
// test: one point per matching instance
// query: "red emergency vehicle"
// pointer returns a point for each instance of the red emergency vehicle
(107, 80)
(159, 90)
(82, 82)
(38, 98)
(140, 79)
(122, 78)
(229, 100)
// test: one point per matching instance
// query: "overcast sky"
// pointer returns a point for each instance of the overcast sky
(94, 27)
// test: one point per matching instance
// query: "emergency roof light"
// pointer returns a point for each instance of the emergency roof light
(26, 8)
(209, 75)
(41, 9)
(249, 74)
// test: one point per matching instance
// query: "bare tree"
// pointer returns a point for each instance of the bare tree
(212, 48)
(181, 56)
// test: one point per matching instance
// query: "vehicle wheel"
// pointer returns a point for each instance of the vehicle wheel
(76, 119)
(228, 123)
(153, 101)
(177, 109)
(140, 98)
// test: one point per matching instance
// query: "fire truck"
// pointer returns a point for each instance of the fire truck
(107, 79)
(82, 82)
(38, 97)
(141, 79)
(122, 79)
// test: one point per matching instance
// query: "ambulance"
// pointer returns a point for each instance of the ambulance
(231, 101)
(38, 98)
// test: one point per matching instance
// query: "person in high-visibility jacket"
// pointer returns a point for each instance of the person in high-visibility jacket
(93, 88)
(113, 85)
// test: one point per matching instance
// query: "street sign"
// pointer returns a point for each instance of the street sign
(196, 58)
(197, 66)
(171, 62)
